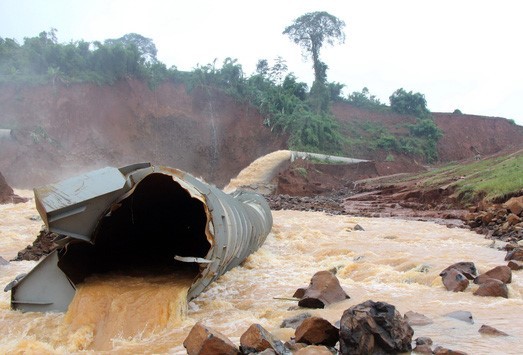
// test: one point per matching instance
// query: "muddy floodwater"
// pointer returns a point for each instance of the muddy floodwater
(391, 260)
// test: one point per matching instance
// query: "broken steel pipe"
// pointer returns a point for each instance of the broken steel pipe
(139, 216)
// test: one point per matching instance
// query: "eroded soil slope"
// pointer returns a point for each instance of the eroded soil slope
(63, 130)
(51, 132)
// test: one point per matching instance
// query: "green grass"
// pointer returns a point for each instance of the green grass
(493, 179)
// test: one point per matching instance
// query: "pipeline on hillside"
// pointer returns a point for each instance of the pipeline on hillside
(155, 219)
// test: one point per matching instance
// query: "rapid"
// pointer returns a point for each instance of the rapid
(391, 260)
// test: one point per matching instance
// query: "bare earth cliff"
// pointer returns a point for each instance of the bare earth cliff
(50, 132)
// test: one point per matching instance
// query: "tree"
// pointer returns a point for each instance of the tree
(409, 103)
(145, 45)
(364, 99)
(311, 31)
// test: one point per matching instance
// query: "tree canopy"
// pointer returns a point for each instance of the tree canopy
(311, 31)
(409, 103)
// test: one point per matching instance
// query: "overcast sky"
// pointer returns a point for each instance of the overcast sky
(458, 53)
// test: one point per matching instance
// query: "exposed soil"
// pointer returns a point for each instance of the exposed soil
(61, 131)
(7, 194)
(347, 189)
(52, 132)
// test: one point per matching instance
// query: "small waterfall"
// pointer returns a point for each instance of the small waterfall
(214, 138)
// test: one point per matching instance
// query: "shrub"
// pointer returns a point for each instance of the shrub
(409, 103)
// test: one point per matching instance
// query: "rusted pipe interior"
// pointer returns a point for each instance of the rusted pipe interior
(143, 234)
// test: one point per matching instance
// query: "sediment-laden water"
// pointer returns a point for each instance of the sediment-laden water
(391, 260)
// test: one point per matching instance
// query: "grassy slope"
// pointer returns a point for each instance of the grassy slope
(493, 179)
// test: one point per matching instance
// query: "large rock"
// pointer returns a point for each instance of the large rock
(492, 288)
(515, 205)
(515, 254)
(203, 340)
(439, 350)
(454, 280)
(464, 316)
(7, 194)
(515, 265)
(417, 319)
(316, 331)
(373, 328)
(467, 268)
(502, 273)
(324, 289)
(294, 322)
(256, 339)
(423, 345)
(488, 330)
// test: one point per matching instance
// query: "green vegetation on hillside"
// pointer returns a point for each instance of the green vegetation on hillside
(494, 179)
(289, 106)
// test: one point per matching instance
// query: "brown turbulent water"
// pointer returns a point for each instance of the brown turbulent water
(392, 260)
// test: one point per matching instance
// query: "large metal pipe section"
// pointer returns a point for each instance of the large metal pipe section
(325, 158)
(135, 215)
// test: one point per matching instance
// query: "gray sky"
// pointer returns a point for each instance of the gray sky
(462, 54)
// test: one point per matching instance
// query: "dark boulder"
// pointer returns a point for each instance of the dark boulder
(374, 327)
(324, 289)
(467, 268)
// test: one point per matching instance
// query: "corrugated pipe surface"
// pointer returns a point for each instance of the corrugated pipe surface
(139, 217)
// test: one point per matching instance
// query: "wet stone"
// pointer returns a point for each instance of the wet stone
(454, 280)
(515, 254)
(515, 265)
(423, 341)
(374, 328)
(203, 340)
(294, 322)
(417, 319)
(467, 268)
(492, 288)
(439, 350)
(422, 349)
(488, 330)
(317, 331)
(357, 227)
(257, 339)
(314, 350)
(464, 316)
(502, 273)
(324, 289)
